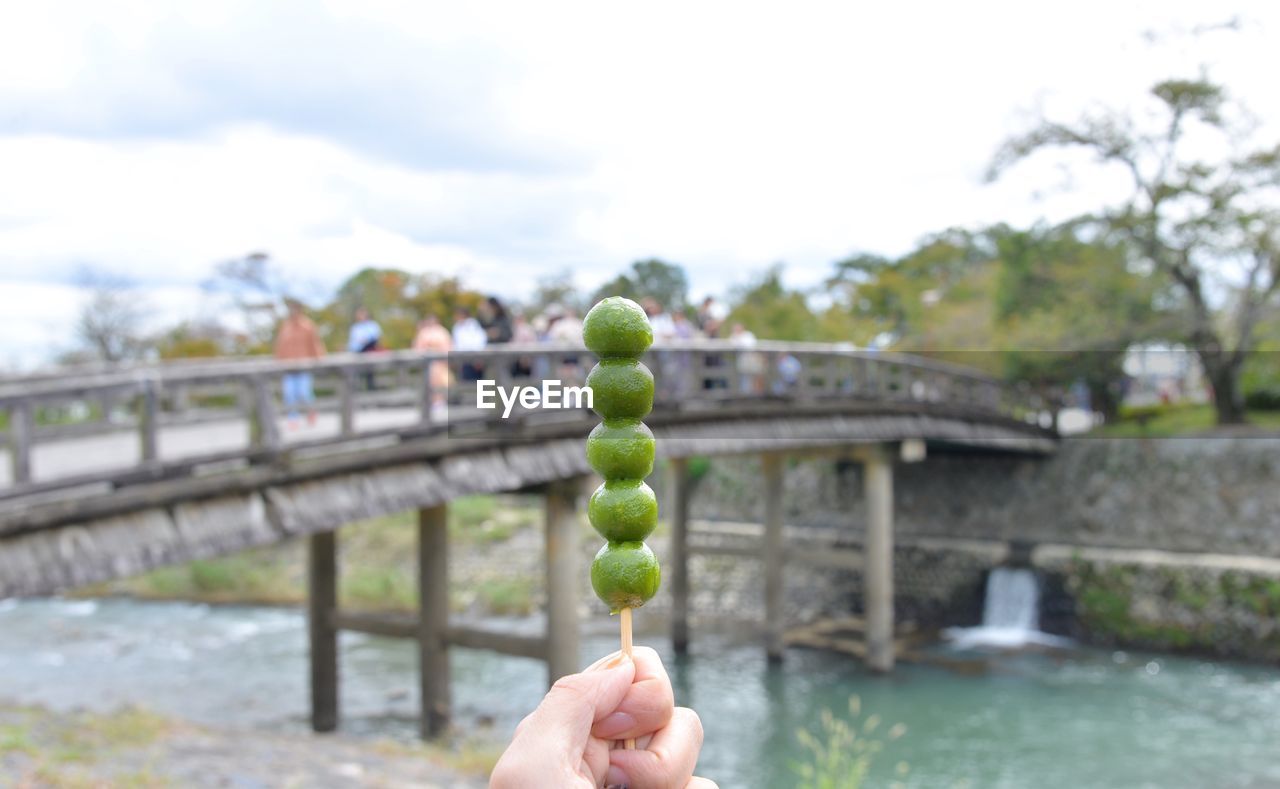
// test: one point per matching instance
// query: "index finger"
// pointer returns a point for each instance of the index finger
(648, 704)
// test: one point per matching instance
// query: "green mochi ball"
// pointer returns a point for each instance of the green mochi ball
(617, 328)
(621, 389)
(621, 449)
(625, 575)
(623, 510)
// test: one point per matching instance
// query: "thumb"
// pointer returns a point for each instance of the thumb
(563, 721)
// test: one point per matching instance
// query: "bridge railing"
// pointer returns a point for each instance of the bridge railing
(397, 392)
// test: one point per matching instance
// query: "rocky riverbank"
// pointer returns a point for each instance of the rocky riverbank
(136, 748)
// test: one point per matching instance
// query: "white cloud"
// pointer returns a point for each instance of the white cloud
(504, 142)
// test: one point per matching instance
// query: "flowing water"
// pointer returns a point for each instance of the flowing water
(1010, 615)
(1073, 718)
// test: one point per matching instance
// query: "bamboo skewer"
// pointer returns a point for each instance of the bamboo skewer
(625, 623)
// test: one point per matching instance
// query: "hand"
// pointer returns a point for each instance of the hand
(573, 739)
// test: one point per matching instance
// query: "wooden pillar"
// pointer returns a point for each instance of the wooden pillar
(433, 619)
(877, 468)
(263, 430)
(347, 402)
(678, 512)
(149, 421)
(562, 580)
(322, 604)
(773, 556)
(21, 437)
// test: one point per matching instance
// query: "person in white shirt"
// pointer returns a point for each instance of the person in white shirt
(750, 363)
(664, 329)
(468, 335)
(566, 329)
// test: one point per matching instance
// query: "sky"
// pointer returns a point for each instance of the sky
(504, 142)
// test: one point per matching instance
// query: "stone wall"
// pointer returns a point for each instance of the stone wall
(1217, 495)
(1210, 506)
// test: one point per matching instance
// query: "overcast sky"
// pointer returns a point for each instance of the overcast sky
(503, 142)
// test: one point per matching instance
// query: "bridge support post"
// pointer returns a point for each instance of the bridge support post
(149, 421)
(562, 579)
(773, 558)
(678, 509)
(433, 619)
(21, 436)
(877, 471)
(322, 605)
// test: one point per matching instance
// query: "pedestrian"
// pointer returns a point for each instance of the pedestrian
(433, 337)
(566, 329)
(664, 329)
(468, 335)
(710, 318)
(750, 363)
(298, 340)
(365, 336)
(522, 334)
(496, 321)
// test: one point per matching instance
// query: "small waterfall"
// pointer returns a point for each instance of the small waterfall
(1010, 614)
(1013, 600)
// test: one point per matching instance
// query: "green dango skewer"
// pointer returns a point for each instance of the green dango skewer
(625, 573)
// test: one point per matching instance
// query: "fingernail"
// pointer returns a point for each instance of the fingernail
(612, 726)
(615, 777)
(608, 662)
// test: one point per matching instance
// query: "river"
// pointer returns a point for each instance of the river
(1078, 718)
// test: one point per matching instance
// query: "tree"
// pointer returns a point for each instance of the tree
(771, 311)
(258, 289)
(1067, 309)
(110, 321)
(397, 300)
(931, 300)
(555, 288)
(652, 278)
(1206, 224)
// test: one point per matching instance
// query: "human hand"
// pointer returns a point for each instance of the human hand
(572, 740)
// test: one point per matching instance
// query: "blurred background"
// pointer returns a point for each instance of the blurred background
(869, 176)
(1081, 197)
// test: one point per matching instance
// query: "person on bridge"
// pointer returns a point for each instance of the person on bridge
(432, 336)
(469, 335)
(572, 739)
(365, 336)
(296, 340)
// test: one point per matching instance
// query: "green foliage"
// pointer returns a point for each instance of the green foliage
(769, 310)
(192, 341)
(1203, 608)
(556, 289)
(1260, 378)
(397, 300)
(841, 754)
(507, 596)
(1163, 421)
(651, 278)
(1187, 218)
(1067, 309)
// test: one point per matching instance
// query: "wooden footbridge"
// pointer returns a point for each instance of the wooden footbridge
(115, 472)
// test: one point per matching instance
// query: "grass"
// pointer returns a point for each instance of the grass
(840, 755)
(60, 751)
(474, 757)
(1175, 420)
(377, 560)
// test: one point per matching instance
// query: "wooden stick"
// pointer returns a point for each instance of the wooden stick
(625, 622)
